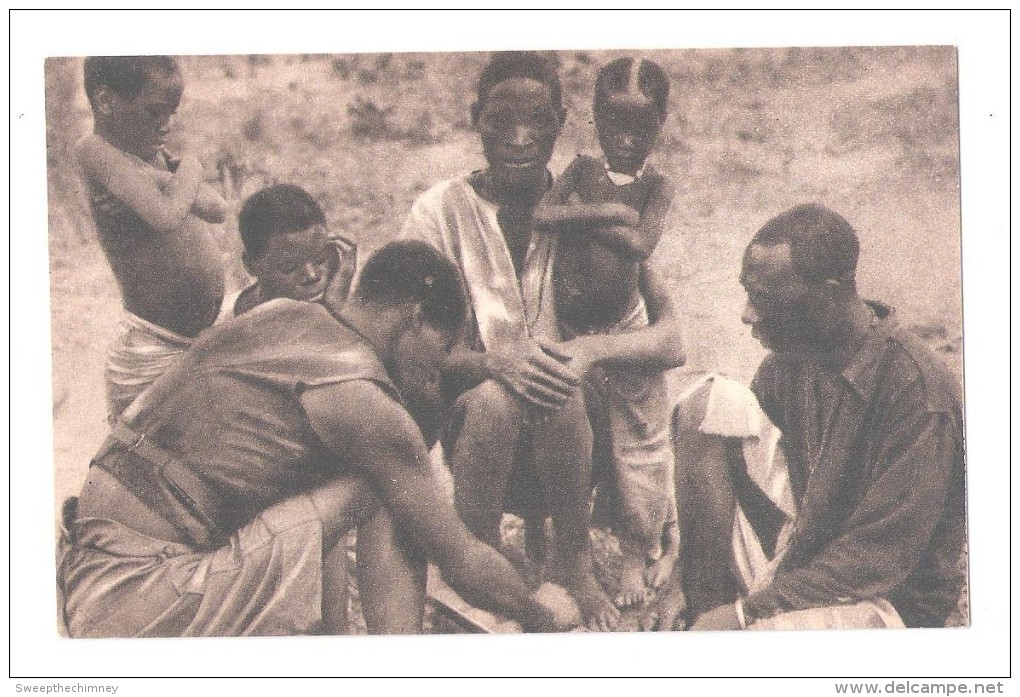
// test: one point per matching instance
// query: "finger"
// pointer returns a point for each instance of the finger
(554, 374)
(550, 385)
(554, 351)
(553, 368)
(539, 396)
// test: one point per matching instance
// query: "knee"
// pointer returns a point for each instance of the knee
(494, 406)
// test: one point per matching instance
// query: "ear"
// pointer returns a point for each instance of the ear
(249, 264)
(417, 316)
(104, 98)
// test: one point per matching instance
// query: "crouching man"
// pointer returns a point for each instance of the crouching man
(213, 504)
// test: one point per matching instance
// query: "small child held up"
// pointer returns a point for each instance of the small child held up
(151, 212)
(289, 251)
(608, 215)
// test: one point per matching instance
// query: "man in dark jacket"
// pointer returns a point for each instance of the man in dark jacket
(872, 438)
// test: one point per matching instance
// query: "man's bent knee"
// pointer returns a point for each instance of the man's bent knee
(493, 404)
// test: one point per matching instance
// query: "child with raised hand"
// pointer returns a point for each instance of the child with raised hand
(151, 212)
(608, 215)
(290, 252)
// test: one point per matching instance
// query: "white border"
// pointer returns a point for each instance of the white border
(981, 650)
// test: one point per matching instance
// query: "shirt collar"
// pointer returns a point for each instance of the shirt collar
(861, 371)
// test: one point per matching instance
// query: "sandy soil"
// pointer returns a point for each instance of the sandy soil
(871, 133)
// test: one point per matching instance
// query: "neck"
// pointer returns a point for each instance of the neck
(100, 129)
(855, 324)
(373, 325)
(527, 193)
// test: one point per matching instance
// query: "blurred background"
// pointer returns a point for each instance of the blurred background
(869, 132)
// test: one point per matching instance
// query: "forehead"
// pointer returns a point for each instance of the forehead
(630, 102)
(520, 92)
(768, 266)
(302, 244)
(162, 86)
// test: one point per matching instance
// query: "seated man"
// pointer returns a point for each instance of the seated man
(520, 415)
(211, 508)
(856, 517)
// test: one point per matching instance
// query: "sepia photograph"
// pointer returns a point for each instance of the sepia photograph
(508, 341)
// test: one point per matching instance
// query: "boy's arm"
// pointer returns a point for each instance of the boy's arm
(164, 208)
(557, 212)
(639, 240)
(379, 438)
(209, 205)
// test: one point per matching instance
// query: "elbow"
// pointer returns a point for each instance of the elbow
(673, 354)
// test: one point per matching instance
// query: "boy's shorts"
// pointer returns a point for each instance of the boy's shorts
(140, 354)
(266, 580)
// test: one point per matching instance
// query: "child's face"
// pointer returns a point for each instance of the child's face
(297, 265)
(140, 126)
(519, 124)
(628, 126)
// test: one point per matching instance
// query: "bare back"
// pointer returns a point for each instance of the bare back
(170, 277)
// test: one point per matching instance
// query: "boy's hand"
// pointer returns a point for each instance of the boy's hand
(532, 374)
(622, 214)
(565, 613)
(340, 284)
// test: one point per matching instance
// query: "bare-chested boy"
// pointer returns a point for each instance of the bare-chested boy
(289, 250)
(150, 211)
(608, 215)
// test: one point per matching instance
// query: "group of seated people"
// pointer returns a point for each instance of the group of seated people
(515, 331)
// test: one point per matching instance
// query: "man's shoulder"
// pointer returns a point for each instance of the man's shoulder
(436, 196)
(914, 369)
(296, 341)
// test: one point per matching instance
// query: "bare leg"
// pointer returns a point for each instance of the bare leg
(487, 427)
(662, 567)
(632, 578)
(343, 503)
(563, 457)
(334, 591)
(391, 578)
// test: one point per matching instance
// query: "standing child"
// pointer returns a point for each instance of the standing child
(150, 211)
(289, 251)
(608, 215)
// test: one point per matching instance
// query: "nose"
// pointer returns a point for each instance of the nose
(522, 137)
(749, 316)
(310, 273)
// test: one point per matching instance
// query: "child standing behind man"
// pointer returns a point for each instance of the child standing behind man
(608, 215)
(150, 212)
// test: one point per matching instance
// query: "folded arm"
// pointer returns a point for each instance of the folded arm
(163, 207)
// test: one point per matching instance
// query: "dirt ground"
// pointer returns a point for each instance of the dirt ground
(872, 133)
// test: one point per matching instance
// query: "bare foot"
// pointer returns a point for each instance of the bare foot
(666, 612)
(632, 582)
(659, 571)
(661, 568)
(598, 611)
